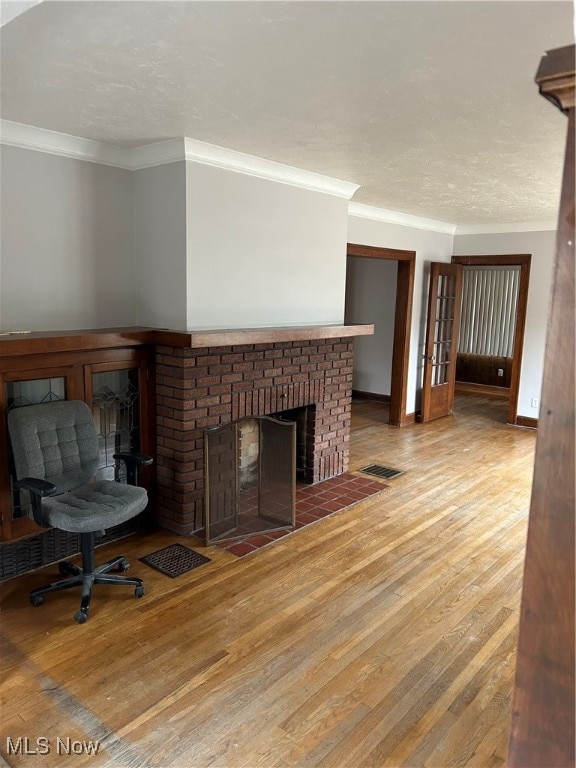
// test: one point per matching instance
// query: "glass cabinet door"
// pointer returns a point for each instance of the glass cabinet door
(117, 393)
(116, 412)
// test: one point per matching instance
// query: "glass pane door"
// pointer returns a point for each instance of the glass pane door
(116, 411)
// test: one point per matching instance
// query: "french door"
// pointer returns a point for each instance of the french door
(441, 346)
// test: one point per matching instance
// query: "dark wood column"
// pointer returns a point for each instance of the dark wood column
(542, 733)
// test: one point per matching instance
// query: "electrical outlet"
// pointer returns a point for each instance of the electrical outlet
(500, 371)
(534, 402)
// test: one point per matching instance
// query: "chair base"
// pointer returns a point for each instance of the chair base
(86, 579)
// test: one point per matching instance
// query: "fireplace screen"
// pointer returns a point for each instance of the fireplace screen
(250, 477)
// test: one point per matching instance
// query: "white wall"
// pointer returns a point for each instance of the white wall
(542, 246)
(181, 245)
(371, 298)
(262, 253)
(429, 246)
(66, 246)
(160, 245)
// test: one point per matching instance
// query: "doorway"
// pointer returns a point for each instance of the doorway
(522, 261)
(402, 315)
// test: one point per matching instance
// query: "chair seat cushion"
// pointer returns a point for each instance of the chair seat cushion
(95, 506)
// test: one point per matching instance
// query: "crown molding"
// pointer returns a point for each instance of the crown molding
(395, 217)
(502, 229)
(417, 222)
(54, 143)
(160, 153)
(170, 151)
(174, 150)
(230, 160)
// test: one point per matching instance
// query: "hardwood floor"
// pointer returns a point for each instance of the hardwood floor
(384, 635)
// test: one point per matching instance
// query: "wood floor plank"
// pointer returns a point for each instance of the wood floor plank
(420, 699)
(383, 635)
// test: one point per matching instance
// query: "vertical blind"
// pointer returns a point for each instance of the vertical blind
(489, 301)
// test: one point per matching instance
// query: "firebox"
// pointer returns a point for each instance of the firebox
(250, 477)
(303, 419)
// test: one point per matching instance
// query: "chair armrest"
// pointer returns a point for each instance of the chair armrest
(139, 459)
(37, 489)
(35, 485)
(133, 460)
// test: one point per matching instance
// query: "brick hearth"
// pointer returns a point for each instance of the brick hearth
(203, 387)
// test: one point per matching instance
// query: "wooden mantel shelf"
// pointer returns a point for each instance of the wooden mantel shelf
(106, 338)
(237, 336)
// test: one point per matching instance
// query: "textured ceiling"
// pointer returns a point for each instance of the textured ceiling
(430, 106)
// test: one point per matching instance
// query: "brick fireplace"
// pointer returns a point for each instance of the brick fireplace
(202, 386)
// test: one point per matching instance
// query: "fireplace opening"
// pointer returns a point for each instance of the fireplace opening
(250, 477)
(303, 418)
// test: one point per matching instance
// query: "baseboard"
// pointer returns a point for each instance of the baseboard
(408, 418)
(482, 389)
(360, 395)
(526, 421)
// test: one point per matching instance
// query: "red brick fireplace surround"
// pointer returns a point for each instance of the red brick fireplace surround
(221, 376)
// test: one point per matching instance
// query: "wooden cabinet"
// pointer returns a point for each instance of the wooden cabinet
(117, 383)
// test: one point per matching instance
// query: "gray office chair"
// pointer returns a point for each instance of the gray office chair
(55, 449)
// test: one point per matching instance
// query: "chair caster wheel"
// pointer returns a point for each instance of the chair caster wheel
(36, 600)
(66, 569)
(123, 566)
(139, 591)
(81, 616)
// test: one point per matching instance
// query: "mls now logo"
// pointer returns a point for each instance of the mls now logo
(43, 746)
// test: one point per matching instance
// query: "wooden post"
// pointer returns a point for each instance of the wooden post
(542, 733)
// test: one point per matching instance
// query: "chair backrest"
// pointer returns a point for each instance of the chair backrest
(55, 442)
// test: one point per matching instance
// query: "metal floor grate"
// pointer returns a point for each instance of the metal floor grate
(379, 471)
(175, 560)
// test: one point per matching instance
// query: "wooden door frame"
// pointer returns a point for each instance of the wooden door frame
(523, 261)
(402, 323)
